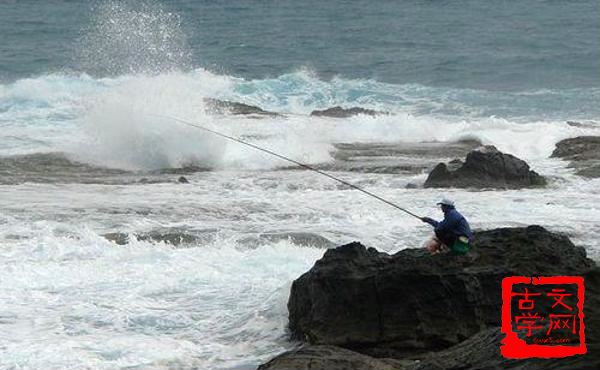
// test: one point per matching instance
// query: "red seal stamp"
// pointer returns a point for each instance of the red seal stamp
(542, 317)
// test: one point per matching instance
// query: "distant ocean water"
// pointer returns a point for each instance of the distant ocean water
(499, 45)
(87, 149)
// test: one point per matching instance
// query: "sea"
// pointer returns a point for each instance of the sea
(108, 261)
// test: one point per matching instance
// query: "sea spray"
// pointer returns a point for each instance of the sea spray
(122, 128)
(132, 36)
(109, 121)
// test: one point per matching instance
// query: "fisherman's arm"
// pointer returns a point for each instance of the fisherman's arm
(430, 221)
(446, 225)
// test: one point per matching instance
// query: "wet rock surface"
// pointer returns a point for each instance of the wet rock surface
(339, 112)
(330, 358)
(386, 158)
(174, 237)
(56, 168)
(236, 108)
(583, 152)
(297, 238)
(485, 167)
(429, 312)
(60, 168)
(586, 124)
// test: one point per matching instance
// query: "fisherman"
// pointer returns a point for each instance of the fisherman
(453, 232)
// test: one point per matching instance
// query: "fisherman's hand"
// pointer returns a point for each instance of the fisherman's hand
(427, 220)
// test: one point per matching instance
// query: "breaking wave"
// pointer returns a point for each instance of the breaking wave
(123, 122)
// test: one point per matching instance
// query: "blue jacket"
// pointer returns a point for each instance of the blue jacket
(453, 223)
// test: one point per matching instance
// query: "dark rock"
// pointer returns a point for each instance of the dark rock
(56, 168)
(587, 124)
(170, 236)
(328, 358)
(578, 148)
(485, 167)
(185, 170)
(297, 238)
(583, 152)
(182, 180)
(339, 112)
(397, 305)
(149, 181)
(411, 185)
(235, 108)
(117, 238)
(400, 157)
(481, 350)
(413, 311)
(574, 123)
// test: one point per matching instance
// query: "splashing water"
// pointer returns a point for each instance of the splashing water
(133, 37)
(122, 127)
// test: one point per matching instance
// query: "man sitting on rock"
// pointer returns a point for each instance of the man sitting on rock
(452, 233)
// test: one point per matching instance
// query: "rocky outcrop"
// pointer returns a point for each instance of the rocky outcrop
(583, 152)
(485, 167)
(322, 357)
(428, 312)
(235, 108)
(359, 298)
(339, 112)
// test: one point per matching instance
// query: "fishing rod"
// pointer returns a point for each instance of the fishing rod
(192, 124)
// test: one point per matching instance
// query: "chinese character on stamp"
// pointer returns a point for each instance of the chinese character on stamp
(542, 316)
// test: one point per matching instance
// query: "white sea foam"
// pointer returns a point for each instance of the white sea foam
(84, 303)
(115, 121)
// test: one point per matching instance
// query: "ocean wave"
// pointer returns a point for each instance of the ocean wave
(114, 298)
(303, 91)
(123, 122)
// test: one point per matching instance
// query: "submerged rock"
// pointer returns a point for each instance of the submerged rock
(583, 152)
(587, 124)
(297, 238)
(429, 312)
(230, 107)
(185, 170)
(173, 237)
(57, 168)
(339, 112)
(485, 167)
(183, 180)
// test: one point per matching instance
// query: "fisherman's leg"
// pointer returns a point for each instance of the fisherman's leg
(446, 240)
(433, 245)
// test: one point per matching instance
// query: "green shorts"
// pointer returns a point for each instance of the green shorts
(460, 246)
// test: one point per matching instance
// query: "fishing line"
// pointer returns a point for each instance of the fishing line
(192, 124)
